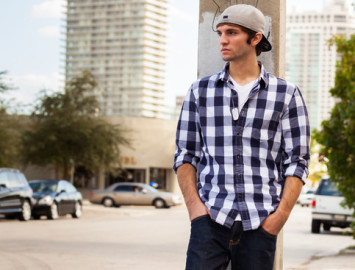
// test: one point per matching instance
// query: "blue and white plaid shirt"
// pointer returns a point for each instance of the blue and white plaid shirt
(242, 164)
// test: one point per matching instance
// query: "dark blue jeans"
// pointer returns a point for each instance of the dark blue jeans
(212, 246)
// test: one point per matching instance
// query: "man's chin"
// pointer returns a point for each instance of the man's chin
(226, 58)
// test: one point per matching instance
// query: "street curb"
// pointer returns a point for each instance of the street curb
(347, 251)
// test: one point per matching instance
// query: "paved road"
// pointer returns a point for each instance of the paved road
(117, 238)
(300, 245)
(135, 238)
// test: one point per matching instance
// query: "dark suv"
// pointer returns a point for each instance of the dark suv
(15, 194)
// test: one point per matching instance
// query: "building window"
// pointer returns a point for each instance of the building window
(340, 18)
(157, 177)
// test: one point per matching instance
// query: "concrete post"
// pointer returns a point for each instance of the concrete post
(100, 179)
(210, 61)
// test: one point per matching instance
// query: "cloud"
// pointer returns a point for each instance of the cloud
(48, 9)
(51, 31)
(28, 86)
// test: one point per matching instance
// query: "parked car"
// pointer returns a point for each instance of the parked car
(134, 194)
(327, 209)
(306, 197)
(55, 198)
(15, 194)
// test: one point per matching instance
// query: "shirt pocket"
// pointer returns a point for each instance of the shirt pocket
(264, 126)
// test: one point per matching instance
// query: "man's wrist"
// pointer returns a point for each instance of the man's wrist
(282, 213)
(196, 209)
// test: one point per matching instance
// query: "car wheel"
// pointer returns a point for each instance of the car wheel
(315, 226)
(326, 227)
(25, 214)
(77, 213)
(159, 203)
(107, 202)
(53, 211)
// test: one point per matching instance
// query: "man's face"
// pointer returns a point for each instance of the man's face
(233, 42)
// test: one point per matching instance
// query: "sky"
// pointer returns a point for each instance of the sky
(32, 47)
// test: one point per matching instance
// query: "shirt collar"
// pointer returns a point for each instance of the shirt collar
(223, 75)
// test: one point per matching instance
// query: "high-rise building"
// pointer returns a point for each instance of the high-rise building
(123, 43)
(310, 61)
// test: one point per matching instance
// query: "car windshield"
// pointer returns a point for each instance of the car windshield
(328, 188)
(43, 187)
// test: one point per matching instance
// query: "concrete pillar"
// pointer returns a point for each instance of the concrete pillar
(210, 61)
(100, 179)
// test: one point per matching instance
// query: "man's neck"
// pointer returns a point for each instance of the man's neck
(243, 72)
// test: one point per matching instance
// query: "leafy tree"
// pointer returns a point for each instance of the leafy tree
(65, 130)
(3, 86)
(317, 168)
(338, 133)
(9, 129)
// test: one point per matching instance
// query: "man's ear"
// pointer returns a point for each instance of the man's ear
(256, 39)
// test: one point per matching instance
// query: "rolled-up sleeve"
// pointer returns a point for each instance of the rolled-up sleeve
(296, 138)
(188, 139)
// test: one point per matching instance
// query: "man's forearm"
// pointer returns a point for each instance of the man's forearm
(291, 191)
(186, 175)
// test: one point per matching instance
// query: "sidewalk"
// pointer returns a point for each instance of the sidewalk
(345, 260)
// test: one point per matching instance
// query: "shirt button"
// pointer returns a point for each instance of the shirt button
(240, 196)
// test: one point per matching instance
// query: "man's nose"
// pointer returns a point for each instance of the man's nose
(222, 39)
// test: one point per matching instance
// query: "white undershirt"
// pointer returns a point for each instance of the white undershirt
(243, 93)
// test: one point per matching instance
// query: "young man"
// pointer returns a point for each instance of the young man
(242, 151)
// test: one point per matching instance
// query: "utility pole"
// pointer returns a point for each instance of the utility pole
(210, 61)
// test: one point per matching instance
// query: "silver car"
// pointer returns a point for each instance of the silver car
(134, 194)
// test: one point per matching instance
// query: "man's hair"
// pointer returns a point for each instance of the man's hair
(251, 35)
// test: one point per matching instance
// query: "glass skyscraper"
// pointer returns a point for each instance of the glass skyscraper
(310, 62)
(123, 43)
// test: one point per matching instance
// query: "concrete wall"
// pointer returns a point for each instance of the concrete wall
(152, 140)
(153, 146)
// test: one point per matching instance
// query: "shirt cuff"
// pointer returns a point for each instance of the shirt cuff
(297, 170)
(185, 159)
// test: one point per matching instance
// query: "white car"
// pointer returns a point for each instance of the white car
(327, 209)
(306, 197)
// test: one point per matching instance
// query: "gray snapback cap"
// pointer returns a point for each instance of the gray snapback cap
(247, 16)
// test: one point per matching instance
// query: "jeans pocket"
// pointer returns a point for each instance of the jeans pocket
(199, 218)
(263, 231)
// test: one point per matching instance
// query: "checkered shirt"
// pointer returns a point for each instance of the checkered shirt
(242, 164)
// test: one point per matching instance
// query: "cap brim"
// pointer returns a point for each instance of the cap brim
(266, 44)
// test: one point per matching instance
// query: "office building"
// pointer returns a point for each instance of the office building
(310, 61)
(123, 43)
